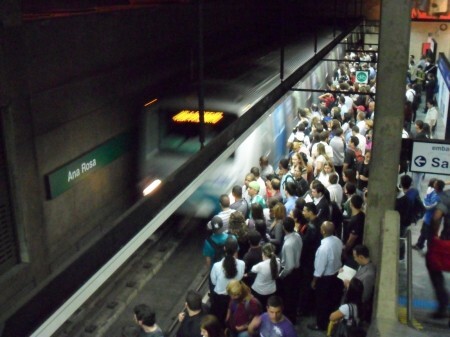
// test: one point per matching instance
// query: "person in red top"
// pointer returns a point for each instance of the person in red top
(328, 99)
(242, 309)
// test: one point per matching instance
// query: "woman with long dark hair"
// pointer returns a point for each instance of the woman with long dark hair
(239, 228)
(266, 274)
(259, 221)
(276, 231)
(222, 273)
(210, 326)
(351, 309)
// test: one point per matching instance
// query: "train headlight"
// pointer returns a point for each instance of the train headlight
(151, 187)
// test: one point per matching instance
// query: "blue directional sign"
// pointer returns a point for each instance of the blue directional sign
(420, 161)
(430, 157)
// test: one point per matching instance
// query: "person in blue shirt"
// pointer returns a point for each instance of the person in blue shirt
(291, 197)
(430, 202)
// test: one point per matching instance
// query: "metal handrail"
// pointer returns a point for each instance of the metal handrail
(409, 289)
(409, 286)
(175, 322)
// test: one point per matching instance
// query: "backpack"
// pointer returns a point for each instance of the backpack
(301, 187)
(346, 325)
(289, 176)
(219, 251)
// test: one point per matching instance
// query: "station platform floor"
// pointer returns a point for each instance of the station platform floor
(423, 300)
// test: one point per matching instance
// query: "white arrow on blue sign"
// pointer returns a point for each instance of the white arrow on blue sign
(420, 161)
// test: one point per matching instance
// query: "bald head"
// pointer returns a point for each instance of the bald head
(327, 228)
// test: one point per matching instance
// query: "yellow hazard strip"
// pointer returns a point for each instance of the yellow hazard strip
(402, 318)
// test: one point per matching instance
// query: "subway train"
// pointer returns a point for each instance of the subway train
(170, 126)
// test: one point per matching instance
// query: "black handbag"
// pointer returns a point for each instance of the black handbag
(341, 328)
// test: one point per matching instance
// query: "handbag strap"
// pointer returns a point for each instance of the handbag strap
(350, 309)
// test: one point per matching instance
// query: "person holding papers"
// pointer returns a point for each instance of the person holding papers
(367, 274)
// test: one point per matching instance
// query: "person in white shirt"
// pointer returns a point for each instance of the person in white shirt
(361, 138)
(266, 274)
(222, 273)
(337, 143)
(265, 167)
(410, 93)
(335, 189)
(361, 120)
(262, 184)
(343, 106)
(323, 140)
(431, 116)
(225, 213)
(326, 283)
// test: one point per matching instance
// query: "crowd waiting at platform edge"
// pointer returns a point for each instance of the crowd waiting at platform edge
(281, 246)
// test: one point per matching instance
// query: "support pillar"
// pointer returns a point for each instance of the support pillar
(391, 84)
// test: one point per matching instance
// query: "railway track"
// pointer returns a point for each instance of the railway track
(160, 273)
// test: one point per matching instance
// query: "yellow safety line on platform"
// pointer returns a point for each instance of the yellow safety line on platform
(402, 318)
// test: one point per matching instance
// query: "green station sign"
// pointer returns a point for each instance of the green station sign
(65, 177)
(362, 76)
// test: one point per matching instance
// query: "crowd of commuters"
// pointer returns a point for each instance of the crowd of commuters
(287, 231)
(278, 245)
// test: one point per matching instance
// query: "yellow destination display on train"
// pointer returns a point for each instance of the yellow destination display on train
(193, 116)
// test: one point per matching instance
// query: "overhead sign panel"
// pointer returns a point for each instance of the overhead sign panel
(430, 158)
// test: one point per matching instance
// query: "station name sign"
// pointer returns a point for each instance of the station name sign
(431, 158)
(65, 177)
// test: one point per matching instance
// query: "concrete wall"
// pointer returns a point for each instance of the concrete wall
(419, 35)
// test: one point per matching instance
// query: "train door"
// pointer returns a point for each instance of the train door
(290, 111)
(279, 133)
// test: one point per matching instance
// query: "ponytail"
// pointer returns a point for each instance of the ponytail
(229, 262)
(274, 266)
(269, 251)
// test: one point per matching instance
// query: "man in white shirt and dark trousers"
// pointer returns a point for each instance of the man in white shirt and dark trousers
(326, 267)
(290, 273)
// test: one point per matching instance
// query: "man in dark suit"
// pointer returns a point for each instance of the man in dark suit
(318, 193)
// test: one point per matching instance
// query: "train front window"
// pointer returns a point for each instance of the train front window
(179, 130)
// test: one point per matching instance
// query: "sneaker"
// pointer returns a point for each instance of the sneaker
(416, 247)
